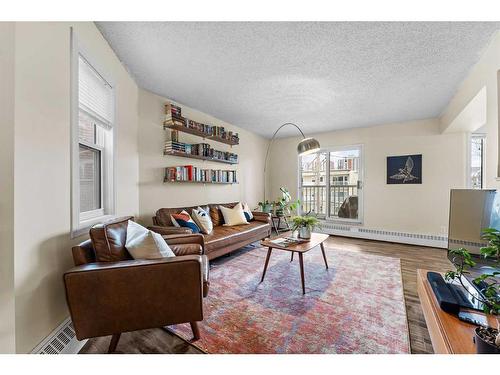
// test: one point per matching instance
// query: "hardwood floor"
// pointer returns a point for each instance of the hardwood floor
(412, 258)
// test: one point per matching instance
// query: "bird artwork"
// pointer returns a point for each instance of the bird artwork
(408, 173)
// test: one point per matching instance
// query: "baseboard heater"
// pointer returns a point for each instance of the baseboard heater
(384, 235)
(62, 340)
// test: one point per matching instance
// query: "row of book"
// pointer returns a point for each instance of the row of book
(195, 174)
(173, 116)
(199, 149)
(173, 110)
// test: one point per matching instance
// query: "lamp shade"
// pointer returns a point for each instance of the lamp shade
(308, 146)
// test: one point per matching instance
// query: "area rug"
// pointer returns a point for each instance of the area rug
(356, 306)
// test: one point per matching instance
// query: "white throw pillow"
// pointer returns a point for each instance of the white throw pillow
(233, 216)
(142, 243)
(247, 212)
(202, 218)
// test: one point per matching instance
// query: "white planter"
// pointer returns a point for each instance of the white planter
(304, 233)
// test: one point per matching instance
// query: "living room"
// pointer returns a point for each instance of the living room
(248, 187)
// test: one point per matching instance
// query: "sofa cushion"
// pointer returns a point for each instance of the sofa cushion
(108, 240)
(184, 220)
(163, 214)
(202, 218)
(216, 213)
(233, 216)
(247, 212)
(222, 236)
(142, 243)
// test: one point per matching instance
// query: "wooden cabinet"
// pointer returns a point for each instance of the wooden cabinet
(449, 335)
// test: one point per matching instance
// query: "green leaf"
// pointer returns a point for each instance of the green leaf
(450, 275)
(490, 230)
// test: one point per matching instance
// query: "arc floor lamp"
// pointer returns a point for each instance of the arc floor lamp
(305, 146)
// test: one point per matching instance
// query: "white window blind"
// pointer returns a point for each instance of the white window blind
(95, 95)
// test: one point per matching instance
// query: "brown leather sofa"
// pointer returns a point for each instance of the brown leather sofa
(223, 239)
(109, 293)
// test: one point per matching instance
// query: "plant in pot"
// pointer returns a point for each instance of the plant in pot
(284, 205)
(487, 338)
(305, 225)
(266, 206)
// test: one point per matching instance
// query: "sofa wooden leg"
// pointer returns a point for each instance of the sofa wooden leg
(196, 330)
(114, 342)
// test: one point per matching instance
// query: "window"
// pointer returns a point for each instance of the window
(92, 144)
(477, 143)
(341, 198)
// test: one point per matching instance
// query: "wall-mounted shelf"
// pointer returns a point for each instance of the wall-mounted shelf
(200, 182)
(192, 156)
(196, 175)
(168, 125)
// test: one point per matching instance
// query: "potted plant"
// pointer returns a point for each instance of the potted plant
(305, 225)
(487, 339)
(284, 205)
(266, 206)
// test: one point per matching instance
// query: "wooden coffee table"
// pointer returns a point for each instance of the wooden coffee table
(316, 239)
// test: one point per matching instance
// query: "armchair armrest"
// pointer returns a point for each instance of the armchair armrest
(181, 239)
(169, 230)
(186, 249)
(115, 297)
(262, 216)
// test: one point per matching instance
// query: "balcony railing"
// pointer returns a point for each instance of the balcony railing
(313, 198)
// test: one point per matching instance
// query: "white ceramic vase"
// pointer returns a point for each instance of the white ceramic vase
(305, 233)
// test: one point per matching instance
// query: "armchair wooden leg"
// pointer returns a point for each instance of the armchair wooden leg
(196, 330)
(114, 342)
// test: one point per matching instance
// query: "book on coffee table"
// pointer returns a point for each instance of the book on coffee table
(287, 241)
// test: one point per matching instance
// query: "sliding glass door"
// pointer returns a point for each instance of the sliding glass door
(330, 183)
(313, 177)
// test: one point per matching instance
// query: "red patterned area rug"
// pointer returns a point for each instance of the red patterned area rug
(356, 306)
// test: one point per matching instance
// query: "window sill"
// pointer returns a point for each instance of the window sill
(85, 225)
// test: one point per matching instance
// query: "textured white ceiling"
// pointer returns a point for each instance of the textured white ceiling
(322, 76)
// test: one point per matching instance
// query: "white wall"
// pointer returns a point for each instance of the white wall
(42, 167)
(7, 313)
(483, 75)
(155, 194)
(417, 208)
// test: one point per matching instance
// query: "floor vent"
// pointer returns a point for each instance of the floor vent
(61, 341)
(384, 235)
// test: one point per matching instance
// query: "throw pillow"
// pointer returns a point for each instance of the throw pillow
(142, 243)
(172, 219)
(247, 212)
(233, 216)
(184, 220)
(202, 218)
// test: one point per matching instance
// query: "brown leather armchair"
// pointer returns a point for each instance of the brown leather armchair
(109, 293)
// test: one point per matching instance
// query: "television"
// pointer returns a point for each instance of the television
(471, 211)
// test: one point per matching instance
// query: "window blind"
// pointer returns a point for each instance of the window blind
(95, 95)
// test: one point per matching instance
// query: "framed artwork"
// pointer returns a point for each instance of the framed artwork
(406, 169)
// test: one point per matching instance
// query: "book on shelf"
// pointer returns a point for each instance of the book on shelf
(190, 173)
(175, 146)
(174, 136)
(173, 117)
(200, 149)
(175, 121)
(173, 110)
